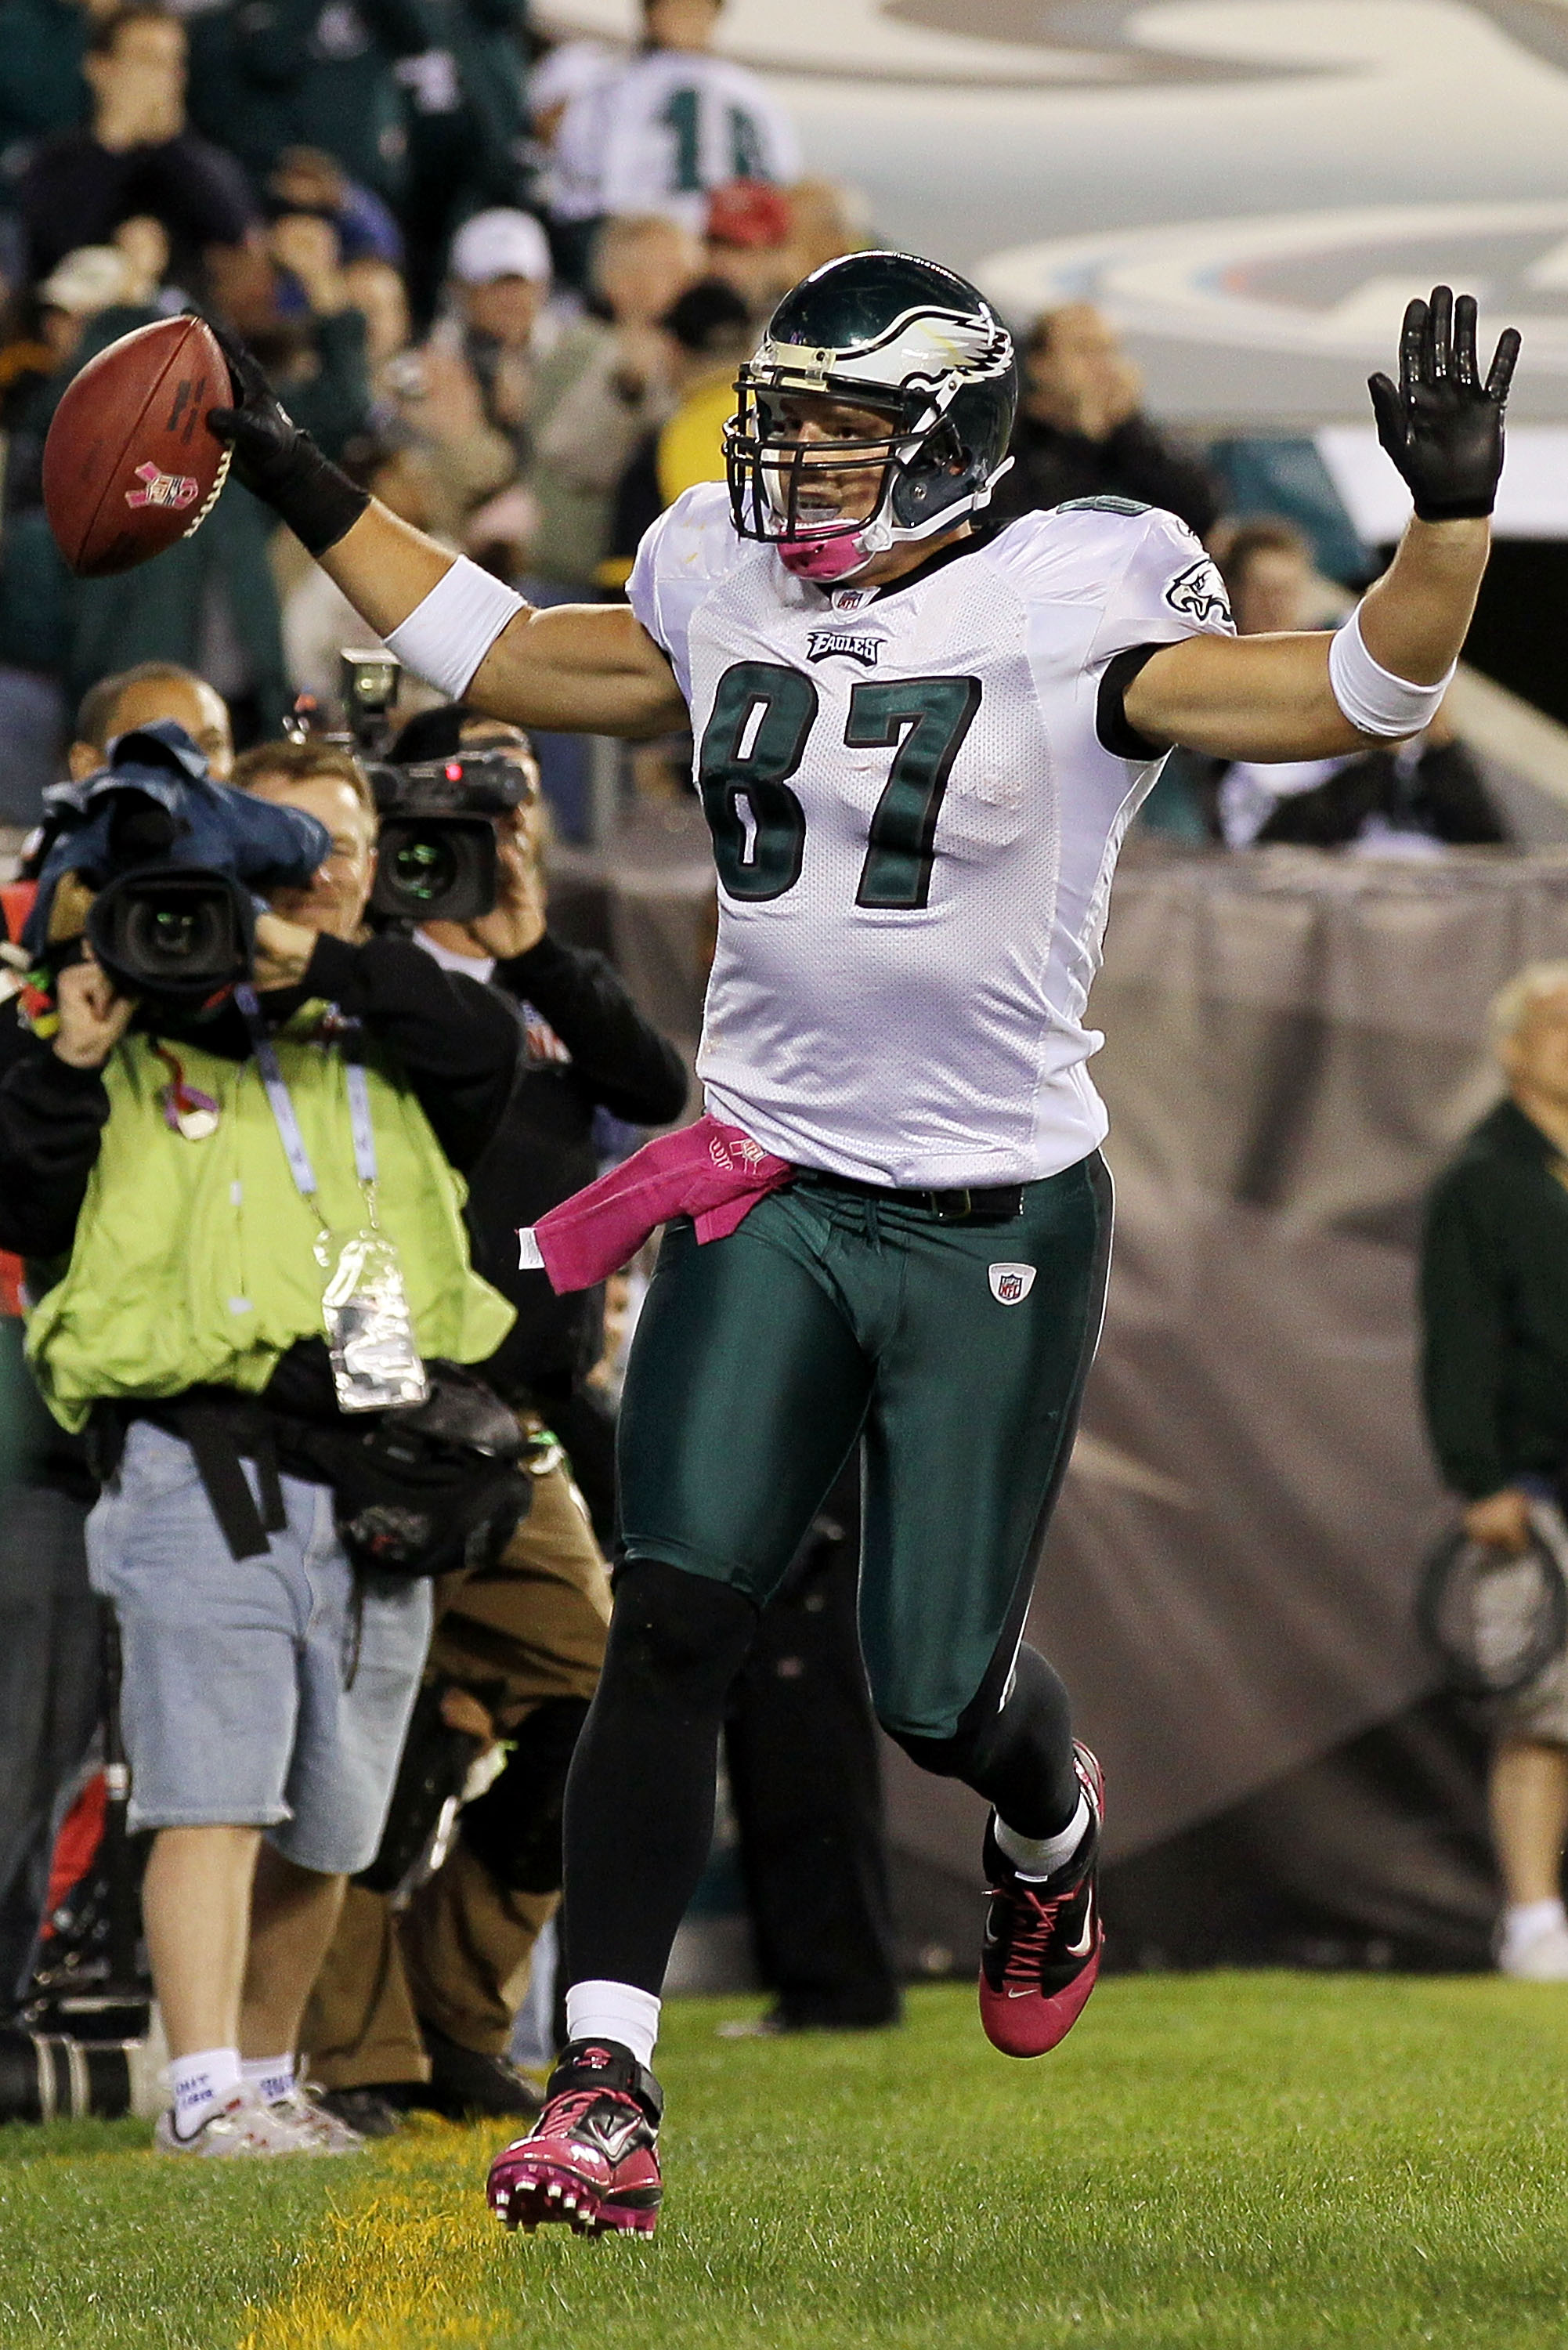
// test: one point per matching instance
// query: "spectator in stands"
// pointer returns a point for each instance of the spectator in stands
(601, 390)
(468, 130)
(1081, 432)
(826, 219)
(750, 244)
(517, 1646)
(1404, 799)
(309, 73)
(668, 129)
(237, 1613)
(499, 282)
(308, 180)
(440, 412)
(140, 697)
(94, 278)
(144, 243)
(558, 75)
(315, 351)
(136, 155)
(1396, 798)
(642, 263)
(710, 331)
(375, 289)
(1494, 1304)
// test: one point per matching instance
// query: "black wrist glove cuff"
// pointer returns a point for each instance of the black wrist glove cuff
(277, 461)
(311, 495)
(1474, 509)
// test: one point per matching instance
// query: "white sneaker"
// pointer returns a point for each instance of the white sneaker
(1541, 1956)
(331, 2135)
(243, 2127)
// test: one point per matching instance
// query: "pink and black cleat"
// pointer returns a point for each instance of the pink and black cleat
(591, 2159)
(1043, 1938)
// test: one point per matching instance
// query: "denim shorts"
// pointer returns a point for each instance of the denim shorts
(242, 1703)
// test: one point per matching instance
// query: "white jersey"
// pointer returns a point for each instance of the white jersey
(915, 824)
(660, 135)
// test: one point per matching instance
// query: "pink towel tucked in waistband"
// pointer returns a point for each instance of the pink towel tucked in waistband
(709, 1171)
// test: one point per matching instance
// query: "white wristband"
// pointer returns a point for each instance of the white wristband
(445, 639)
(1371, 697)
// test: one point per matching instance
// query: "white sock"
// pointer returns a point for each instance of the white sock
(1528, 1921)
(612, 2011)
(201, 2083)
(271, 2077)
(1042, 1855)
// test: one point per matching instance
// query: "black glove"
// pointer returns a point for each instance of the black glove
(1443, 427)
(277, 461)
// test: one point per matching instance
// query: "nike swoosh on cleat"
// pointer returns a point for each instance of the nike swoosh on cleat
(1081, 1949)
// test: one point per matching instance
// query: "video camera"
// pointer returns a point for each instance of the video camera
(438, 857)
(174, 863)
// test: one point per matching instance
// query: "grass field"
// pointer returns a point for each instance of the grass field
(1221, 2160)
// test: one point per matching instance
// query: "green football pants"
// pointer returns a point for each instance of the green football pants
(958, 1350)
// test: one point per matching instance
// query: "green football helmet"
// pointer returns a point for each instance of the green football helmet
(914, 344)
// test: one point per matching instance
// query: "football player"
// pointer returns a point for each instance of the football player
(919, 742)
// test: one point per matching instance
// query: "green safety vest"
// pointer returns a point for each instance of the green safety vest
(194, 1263)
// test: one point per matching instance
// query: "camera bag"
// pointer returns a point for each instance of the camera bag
(417, 1489)
(417, 1486)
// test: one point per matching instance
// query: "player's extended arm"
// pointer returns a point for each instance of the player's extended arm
(591, 667)
(1380, 678)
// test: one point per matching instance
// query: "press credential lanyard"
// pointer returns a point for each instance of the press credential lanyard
(286, 1120)
(365, 1311)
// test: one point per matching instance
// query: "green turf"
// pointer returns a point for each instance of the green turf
(1259, 2160)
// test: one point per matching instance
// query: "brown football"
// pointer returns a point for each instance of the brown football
(130, 465)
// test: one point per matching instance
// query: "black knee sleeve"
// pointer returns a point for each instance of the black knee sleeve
(1018, 1756)
(514, 1827)
(676, 1638)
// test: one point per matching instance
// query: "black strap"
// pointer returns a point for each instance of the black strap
(217, 1444)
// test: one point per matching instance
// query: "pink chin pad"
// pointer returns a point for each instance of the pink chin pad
(823, 559)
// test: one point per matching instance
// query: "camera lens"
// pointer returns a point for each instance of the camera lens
(435, 867)
(160, 936)
(178, 935)
(424, 867)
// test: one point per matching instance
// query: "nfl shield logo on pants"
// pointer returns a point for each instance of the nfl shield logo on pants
(1010, 1284)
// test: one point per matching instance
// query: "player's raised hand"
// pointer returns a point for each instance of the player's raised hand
(276, 460)
(1443, 426)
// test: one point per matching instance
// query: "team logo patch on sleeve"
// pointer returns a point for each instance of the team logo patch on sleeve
(824, 642)
(1010, 1284)
(1198, 593)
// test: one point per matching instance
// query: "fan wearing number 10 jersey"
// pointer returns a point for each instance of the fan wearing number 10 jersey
(920, 741)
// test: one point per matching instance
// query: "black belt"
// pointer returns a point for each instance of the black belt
(998, 1205)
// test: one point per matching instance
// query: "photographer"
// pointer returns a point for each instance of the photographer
(208, 1189)
(138, 696)
(518, 1644)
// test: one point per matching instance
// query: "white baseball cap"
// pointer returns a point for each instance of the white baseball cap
(500, 244)
(89, 279)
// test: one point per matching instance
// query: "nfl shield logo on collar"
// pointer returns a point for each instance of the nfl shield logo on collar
(1010, 1284)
